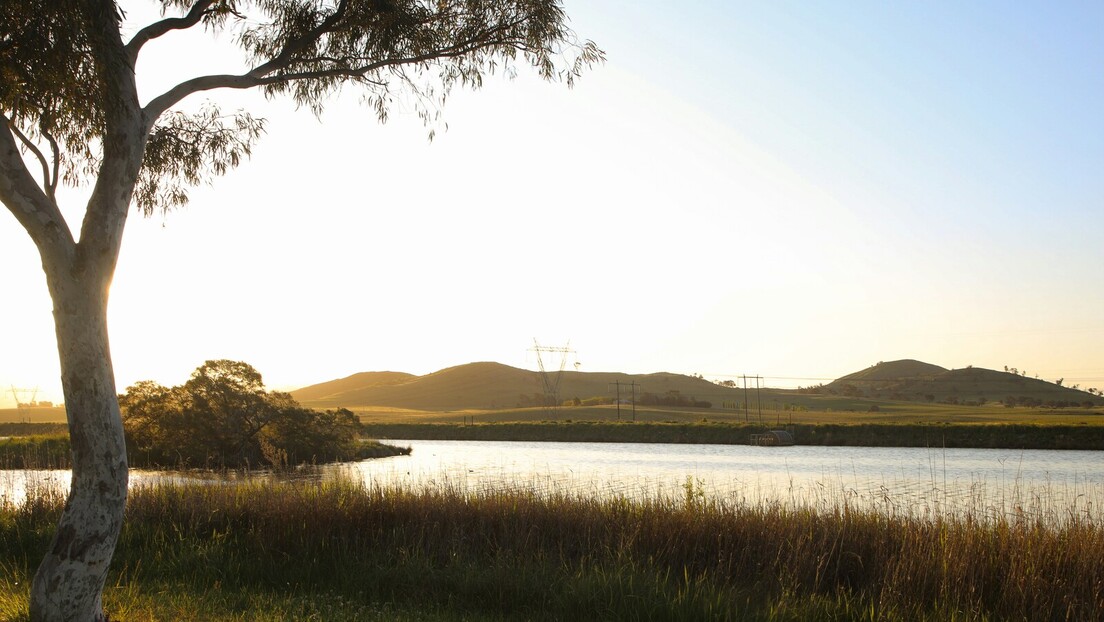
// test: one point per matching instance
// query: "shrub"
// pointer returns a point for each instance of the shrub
(223, 417)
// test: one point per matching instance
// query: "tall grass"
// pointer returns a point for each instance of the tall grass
(345, 551)
(35, 452)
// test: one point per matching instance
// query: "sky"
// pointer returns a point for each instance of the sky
(795, 190)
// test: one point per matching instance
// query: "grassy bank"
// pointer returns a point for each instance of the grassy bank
(52, 450)
(35, 452)
(244, 553)
(824, 410)
(1008, 436)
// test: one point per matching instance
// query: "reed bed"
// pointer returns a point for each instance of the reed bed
(343, 550)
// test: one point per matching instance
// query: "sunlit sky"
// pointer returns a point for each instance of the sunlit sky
(796, 190)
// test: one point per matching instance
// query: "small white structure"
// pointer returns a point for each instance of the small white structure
(774, 438)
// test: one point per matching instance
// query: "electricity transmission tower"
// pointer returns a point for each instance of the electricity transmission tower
(21, 406)
(550, 381)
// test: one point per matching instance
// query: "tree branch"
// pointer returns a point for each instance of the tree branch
(158, 105)
(56, 151)
(38, 214)
(282, 59)
(157, 29)
(33, 148)
(259, 76)
(361, 71)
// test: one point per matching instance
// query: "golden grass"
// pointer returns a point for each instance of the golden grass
(245, 553)
(894, 412)
(32, 415)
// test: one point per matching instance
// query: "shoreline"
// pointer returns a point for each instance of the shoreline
(37, 449)
(974, 436)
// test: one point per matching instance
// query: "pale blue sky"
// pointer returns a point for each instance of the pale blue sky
(782, 188)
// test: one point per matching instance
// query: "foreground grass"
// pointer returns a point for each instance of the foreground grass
(340, 551)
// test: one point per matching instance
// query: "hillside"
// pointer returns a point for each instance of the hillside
(892, 371)
(490, 386)
(327, 390)
(494, 386)
(909, 380)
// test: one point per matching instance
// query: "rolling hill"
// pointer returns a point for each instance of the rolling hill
(909, 380)
(487, 386)
(491, 386)
(325, 390)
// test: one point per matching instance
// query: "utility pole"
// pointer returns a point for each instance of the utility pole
(634, 400)
(618, 384)
(618, 399)
(758, 401)
(746, 418)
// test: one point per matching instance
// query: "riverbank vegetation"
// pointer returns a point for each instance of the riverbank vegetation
(241, 552)
(52, 450)
(995, 436)
(223, 417)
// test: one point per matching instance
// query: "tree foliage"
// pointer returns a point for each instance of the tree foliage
(56, 85)
(223, 417)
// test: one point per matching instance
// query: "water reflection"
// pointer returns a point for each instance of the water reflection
(906, 481)
(983, 483)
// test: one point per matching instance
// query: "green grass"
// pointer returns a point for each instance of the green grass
(825, 410)
(341, 551)
(53, 451)
(35, 452)
(1007, 436)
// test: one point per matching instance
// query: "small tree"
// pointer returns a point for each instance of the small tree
(70, 112)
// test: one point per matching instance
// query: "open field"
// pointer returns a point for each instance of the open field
(241, 553)
(32, 415)
(902, 424)
(833, 411)
(894, 424)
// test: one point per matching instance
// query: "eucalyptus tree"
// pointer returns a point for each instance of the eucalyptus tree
(70, 113)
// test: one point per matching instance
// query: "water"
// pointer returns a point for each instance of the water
(1054, 486)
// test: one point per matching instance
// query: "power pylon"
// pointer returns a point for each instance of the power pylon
(21, 406)
(551, 381)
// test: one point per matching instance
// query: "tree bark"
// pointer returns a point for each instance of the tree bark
(69, 581)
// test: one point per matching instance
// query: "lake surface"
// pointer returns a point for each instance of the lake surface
(985, 483)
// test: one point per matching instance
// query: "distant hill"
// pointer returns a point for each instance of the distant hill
(893, 371)
(327, 390)
(910, 380)
(488, 386)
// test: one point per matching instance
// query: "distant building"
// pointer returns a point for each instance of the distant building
(774, 438)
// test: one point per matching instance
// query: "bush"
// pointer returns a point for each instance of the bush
(223, 417)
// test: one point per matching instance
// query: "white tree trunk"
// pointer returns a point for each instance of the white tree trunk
(70, 579)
